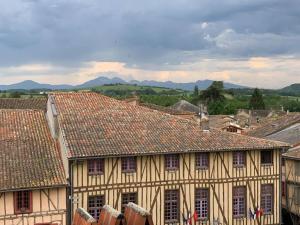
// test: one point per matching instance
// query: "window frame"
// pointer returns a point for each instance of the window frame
(177, 202)
(95, 208)
(237, 161)
(267, 194)
(127, 194)
(127, 162)
(24, 210)
(93, 163)
(172, 162)
(200, 160)
(239, 215)
(261, 158)
(200, 198)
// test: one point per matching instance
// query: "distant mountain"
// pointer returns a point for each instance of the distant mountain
(99, 81)
(202, 84)
(29, 84)
(293, 89)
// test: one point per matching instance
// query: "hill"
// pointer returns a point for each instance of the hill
(100, 81)
(293, 89)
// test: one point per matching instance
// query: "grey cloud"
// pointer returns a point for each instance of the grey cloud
(145, 33)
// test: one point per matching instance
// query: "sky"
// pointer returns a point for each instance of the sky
(249, 42)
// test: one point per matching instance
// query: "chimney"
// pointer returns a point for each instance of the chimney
(52, 117)
(204, 123)
(203, 119)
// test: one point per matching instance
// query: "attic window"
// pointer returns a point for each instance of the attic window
(23, 202)
(172, 162)
(266, 157)
(129, 164)
(96, 166)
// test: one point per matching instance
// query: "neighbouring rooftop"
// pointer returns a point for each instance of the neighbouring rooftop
(23, 103)
(282, 123)
(96, 125)
(29, 157)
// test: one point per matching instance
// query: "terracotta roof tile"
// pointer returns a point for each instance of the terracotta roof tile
(293, 153)
(275, 125)
(23, 103)
(96, 125)
(29, 156)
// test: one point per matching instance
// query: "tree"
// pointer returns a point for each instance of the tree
(214, 93)
(196, 91)
(256, 100)
(15, 94)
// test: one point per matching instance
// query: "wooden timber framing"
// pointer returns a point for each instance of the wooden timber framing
(48, 206)
(292, 189)
(151, 180)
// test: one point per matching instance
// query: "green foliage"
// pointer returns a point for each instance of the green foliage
(15, 94)
(256, 100)
(214, 93)
(196, 91)
(163, 100)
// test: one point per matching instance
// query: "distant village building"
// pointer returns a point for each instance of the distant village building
(115, 153)
(248, 118)
(33, 184)
(285, 128)
(186, 106)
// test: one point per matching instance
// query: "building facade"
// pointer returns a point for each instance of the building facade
(33, 184)
(117, 153)
(291, 184)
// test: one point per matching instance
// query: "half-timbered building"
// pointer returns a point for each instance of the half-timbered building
(33, 183)
(291, 184)
(117, 153)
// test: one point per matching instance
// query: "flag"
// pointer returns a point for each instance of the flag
(195, 216)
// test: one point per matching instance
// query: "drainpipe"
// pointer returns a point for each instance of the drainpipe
(70, 195)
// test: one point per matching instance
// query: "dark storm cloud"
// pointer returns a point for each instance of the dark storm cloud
(145, 33)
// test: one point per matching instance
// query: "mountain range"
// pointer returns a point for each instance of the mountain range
(202, 84)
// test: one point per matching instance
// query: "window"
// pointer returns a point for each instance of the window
(202, 160)
(267, 198)
(129, 165)
(239, 159)
(95, 204)
(171, 206)
(96, 167)
(172, 162)
(266, 157)
(23, 202)
(239, 202)
(201, 203)
(128, 197)
(297, 168)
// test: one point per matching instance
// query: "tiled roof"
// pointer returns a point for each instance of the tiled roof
(96, 125)
(167, 109)
(275, 125)
(293, 153)
(220, 121)
(22, 103)
(184, 105)
(29, 156)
